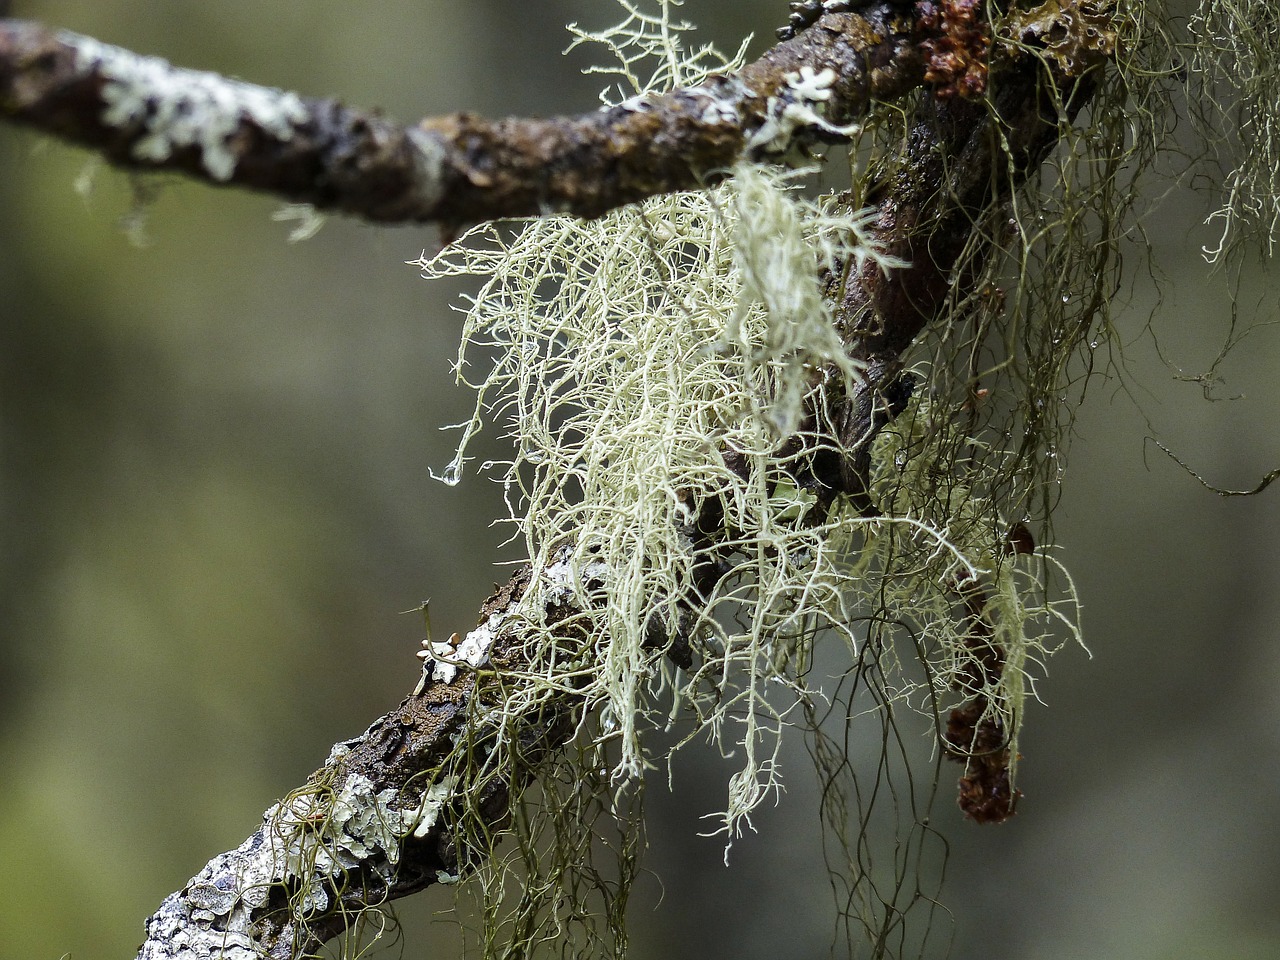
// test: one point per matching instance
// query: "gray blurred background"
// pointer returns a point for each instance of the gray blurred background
(215, 502)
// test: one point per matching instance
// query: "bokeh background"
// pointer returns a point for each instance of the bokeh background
(215, 502)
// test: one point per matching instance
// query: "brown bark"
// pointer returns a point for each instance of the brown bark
(455, 169)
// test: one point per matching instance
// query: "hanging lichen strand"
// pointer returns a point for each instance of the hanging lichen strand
(664, 374)
(1236, 50)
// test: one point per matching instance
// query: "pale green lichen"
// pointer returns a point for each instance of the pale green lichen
(648, 367)
(646, 53)
(635, 350)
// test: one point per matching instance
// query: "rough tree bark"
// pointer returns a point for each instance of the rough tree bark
(144, 114)
(308, 871)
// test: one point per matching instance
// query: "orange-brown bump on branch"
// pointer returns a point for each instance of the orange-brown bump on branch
(975, 734)
(985, 791)
(955, 40)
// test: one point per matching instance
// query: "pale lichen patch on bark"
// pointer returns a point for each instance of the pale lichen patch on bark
(183, 108)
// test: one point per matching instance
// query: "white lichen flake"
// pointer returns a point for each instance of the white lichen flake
(183, 108)
(801, 108)
(441, 659)
(433, 802)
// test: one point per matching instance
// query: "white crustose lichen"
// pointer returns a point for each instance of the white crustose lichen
(181, 108)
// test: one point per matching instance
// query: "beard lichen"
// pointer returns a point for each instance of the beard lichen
(648, 364)
(663, 373)
(658, 371)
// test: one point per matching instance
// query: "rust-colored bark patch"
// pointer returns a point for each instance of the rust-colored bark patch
(986, 793)
(975, 736)
(955, 40)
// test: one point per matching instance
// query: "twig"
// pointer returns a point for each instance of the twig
(144, 114)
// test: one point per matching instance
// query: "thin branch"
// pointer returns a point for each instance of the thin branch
(144, 114)
(373, 825)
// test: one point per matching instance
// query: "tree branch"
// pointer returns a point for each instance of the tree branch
(928, 214)
(374, 824)
(144, 114)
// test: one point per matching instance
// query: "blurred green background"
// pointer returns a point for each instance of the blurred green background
(215, 501)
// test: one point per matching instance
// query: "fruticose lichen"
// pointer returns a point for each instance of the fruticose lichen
(1236, 59)
(650, 368)
(661, 372)
(801, 105)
